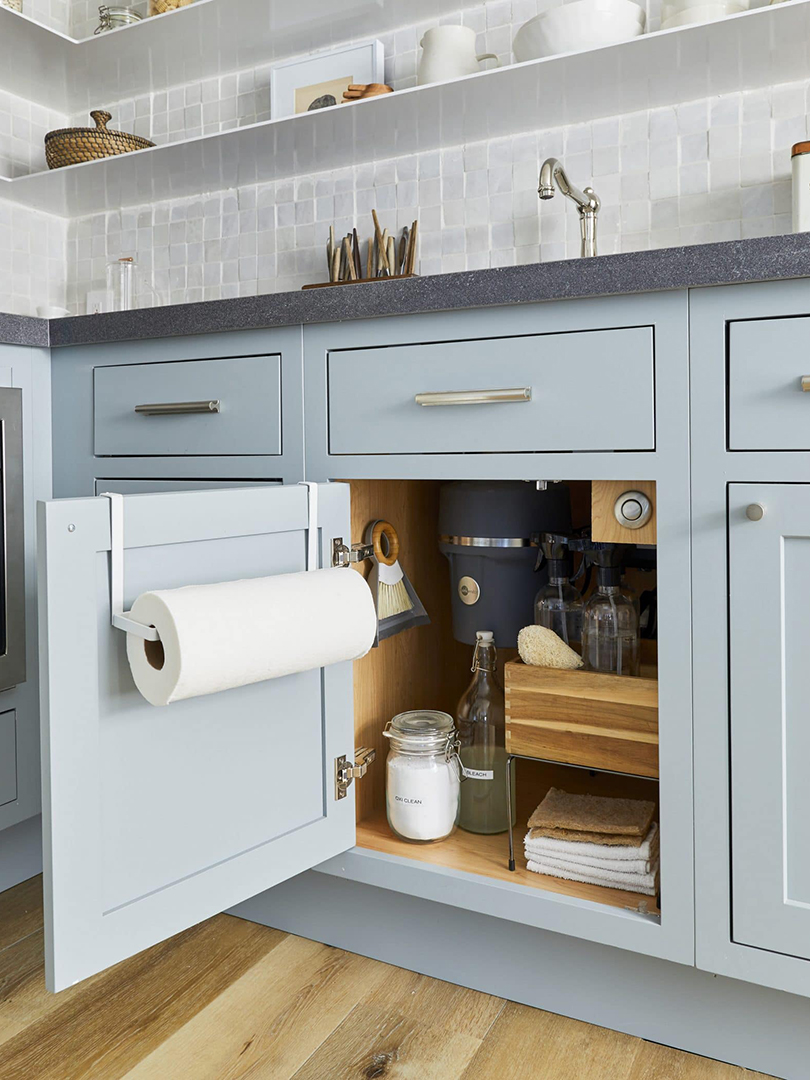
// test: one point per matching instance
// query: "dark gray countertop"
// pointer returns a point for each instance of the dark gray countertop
(764, 259)
(23, 330)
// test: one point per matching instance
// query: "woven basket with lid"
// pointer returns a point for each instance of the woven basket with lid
(67, 146)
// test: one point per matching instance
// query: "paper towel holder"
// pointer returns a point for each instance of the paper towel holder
(122, 620)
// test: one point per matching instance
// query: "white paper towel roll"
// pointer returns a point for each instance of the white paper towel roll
(216, 637)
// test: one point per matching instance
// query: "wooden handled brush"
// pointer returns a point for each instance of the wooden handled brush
(392, 596)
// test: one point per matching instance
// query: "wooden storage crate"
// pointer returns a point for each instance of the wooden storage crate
(582, 718)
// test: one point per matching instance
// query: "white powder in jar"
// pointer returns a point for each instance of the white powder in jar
(422, 795)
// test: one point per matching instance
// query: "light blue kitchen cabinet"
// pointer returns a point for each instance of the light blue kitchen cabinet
(633, 382)
(156, 818)
(539, 390)
(751, 631)
(769, 620)
(622, 968)
(8, 757)
(495, 395)
(146, 487)
(27, 369)
(230, 408)
(769, 404)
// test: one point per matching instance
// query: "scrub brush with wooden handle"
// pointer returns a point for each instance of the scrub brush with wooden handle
(392, 596)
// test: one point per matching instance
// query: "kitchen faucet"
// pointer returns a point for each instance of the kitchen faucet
(587, 201)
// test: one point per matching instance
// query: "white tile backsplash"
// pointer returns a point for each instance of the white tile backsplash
(706, 170)
(32, 266)
(669, 176)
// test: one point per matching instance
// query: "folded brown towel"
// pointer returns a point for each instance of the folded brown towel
(593, 814)
(610, 839)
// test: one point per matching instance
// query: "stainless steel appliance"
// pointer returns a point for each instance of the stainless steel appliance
(12, 541)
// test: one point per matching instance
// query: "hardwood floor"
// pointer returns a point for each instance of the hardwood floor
(229, 999)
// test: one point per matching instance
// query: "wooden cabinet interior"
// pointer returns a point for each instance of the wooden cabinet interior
(426, 667)
(605, 527)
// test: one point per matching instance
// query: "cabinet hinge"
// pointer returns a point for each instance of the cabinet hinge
(345, 771)
(342, 555)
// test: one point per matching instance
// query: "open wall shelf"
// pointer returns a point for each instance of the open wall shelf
(754, 49)
(203, 39)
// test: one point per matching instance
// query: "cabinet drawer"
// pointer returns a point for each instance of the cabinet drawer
(146, 486)
(767, 408)
(578, 391)
(248, 390)
(8, 756)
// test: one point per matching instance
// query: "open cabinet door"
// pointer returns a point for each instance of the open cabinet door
(157, 818)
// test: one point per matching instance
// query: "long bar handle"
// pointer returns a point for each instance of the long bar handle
(178, 408)
(474, 397)
(806, 383)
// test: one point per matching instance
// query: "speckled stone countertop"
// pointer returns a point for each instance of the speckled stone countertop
(23, 330)
(735, 261)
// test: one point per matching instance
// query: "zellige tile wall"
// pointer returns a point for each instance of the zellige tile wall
(32, 259)
(23, 126)
(707, 170)
(716, 169)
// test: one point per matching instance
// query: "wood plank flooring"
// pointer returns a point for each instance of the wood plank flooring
(230, 1000)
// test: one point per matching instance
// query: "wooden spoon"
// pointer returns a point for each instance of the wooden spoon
(364, 90)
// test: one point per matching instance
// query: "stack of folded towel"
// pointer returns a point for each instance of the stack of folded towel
(596, 840)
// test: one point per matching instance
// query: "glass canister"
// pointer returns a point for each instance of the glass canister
(112, 18)
(800, 165)
(422, 776)
(128, 286)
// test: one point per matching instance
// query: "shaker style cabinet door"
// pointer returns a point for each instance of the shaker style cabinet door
(769, 549)
(157, 818)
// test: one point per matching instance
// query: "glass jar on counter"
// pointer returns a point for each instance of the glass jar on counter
(422, 776)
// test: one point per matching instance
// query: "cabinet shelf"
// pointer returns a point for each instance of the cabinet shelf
(752, 49)
(487, 856)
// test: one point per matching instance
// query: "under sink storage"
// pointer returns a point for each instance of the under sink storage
(554, 392)
(426, 668)
(210, 407)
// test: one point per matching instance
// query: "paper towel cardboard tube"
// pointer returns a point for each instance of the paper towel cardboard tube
(217, 637)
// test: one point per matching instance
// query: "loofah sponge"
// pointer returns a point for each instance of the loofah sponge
(541, 647)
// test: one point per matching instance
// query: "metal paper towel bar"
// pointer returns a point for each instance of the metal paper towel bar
(122, 620)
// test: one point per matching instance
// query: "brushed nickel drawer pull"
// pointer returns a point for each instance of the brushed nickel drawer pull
(474, 397)
(806, 383)
(178, 408)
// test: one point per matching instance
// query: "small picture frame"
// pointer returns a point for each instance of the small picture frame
(317, 81)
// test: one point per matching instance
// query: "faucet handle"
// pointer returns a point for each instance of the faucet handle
(594, 201)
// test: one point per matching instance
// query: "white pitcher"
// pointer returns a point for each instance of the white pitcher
(448, 52)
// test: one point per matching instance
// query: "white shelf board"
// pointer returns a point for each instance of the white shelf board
(203, 39)
(753, 49)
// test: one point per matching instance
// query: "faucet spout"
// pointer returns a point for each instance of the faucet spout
(552, 177)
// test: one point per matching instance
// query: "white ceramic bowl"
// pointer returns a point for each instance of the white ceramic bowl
(701, 13)
(678, 7)
(585, 24)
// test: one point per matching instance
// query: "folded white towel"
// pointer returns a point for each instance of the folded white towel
(599, 856)
(563, 849)
(646, 884)
(626, 880)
